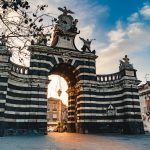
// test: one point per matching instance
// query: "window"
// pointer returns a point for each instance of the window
(54, 116)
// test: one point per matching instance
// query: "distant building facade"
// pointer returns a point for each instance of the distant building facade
(56, 111)
(144, 91)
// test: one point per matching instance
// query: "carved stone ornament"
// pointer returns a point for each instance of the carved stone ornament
(65, 30)
(125, 64)
(130, 73)
(65, 22)
(66, 57)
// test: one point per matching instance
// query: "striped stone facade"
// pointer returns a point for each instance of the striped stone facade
(96, 103)
(23, 99)
(4, 75)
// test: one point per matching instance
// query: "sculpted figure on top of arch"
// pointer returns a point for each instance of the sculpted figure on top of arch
(86, 44)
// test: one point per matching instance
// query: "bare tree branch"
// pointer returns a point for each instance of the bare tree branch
(21, 25)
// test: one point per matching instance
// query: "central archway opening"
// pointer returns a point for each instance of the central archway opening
(61, 104)
(57, 104)
(56, 84)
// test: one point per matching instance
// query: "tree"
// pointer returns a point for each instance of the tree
(22, 25)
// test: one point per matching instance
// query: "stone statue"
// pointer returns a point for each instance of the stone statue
(87, 44)
(125, 64)
(65, 10)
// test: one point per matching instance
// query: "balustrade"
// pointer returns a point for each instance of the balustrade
(19, 69)
(109, 77)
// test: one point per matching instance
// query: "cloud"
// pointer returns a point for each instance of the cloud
(145, 12)
(132, 40)
(142, 14)
(87, 13)
(116, 35)
(131, 37)
(134, 17)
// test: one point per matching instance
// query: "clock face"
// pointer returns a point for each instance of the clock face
(65, 23)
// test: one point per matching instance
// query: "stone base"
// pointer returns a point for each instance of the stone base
(71, 127)
(112, 127)
(20, 128)
(9, 128)
(1, 129)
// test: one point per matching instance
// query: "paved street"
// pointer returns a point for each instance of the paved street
(71, 141)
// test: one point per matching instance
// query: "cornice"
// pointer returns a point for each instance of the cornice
(61, 51)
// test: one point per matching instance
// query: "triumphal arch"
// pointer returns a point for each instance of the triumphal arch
(97, 103)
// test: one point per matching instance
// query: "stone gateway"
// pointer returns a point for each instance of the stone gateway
(96, 103)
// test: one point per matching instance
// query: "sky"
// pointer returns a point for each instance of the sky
(57, 83)
(120, 27)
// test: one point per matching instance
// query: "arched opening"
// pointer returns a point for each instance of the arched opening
(61, 107)
(58, 83)
(57, 104)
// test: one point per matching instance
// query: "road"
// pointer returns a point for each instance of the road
(72, 141)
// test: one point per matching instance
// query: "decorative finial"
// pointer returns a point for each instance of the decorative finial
(126, 59)
(65, 10)
(125, 64)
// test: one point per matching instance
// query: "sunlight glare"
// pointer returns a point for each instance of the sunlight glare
(55, 84)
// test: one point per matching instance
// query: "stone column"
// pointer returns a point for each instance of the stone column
(4, 73)
(72, 110)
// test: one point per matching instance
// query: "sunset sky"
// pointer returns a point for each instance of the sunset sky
(119, 26)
